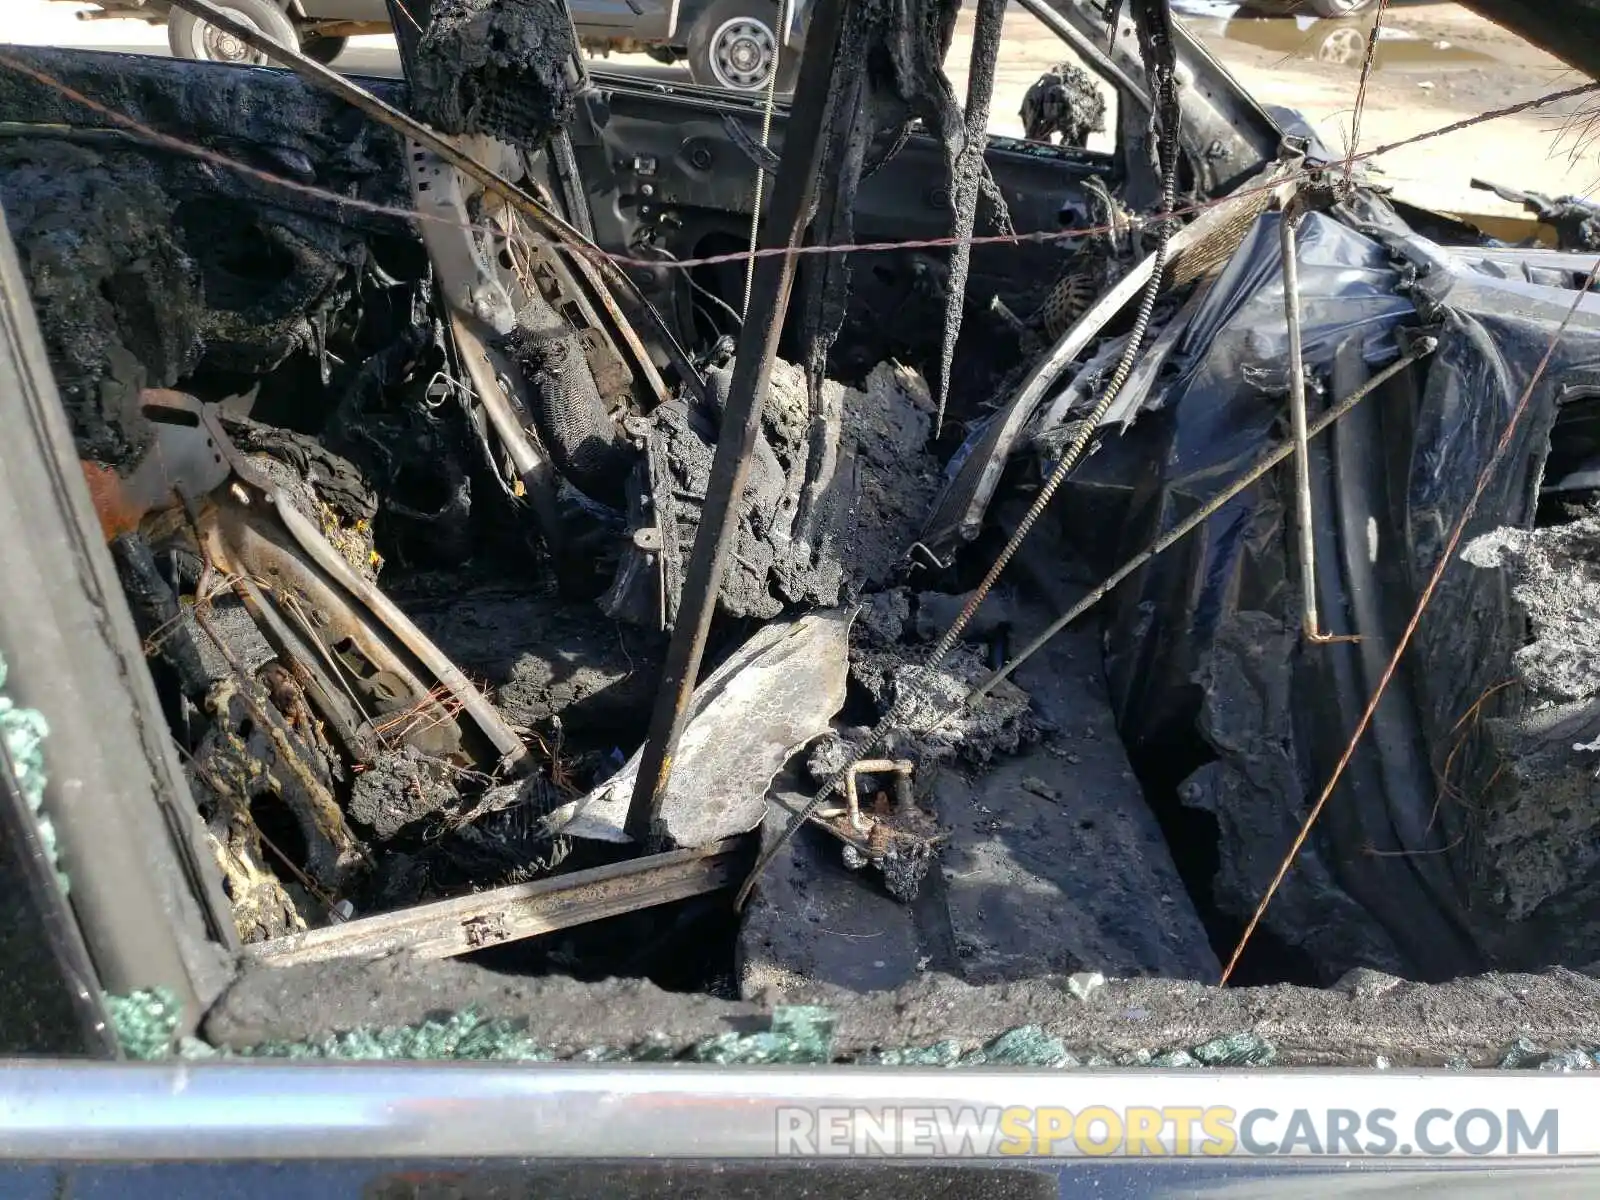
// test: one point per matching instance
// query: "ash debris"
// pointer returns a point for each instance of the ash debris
(888, 423)
(1000, 723)
(546, 659)
(397, 790)
(834, 498)
(1557, 583)
(1537, 849)
(884, 618)
(889, 648)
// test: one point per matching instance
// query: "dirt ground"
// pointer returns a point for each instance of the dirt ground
(1436, 64)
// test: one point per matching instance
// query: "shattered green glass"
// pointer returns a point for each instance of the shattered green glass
(802, 1035)
(940, 1054)
(1027, 1046)
(23, 731)
(1236, 1050)
(799, 1034)
(145, 1023)
(461, 1037)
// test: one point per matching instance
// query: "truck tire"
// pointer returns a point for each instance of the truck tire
(1338, 8)
(1321, 8)
(323, 49)
(733, 45)
(190, 37)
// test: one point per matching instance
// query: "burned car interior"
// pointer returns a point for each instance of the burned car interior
(630, 559)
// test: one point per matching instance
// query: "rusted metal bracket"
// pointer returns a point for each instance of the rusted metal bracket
(1288, 219)
(446, 928)
(741, 420)
(897, 837)
(901, 769)
(250, 529)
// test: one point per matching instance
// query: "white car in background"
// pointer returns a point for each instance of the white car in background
(731, 44)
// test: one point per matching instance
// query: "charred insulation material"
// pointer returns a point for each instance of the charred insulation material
(588, 449)
(1541, 842)
(967, 175)
(828, 507)
(1063, 102)
(891, 74)
(147, 266)
(117, 295)
(503, 68)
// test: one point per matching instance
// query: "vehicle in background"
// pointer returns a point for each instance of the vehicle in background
(1337, 41)
(1321, 8)
(321, 28)
(731, 44)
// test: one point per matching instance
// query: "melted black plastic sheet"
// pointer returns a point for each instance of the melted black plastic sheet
(1217, 693)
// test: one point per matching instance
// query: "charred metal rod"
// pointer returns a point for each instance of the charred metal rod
(766, 136)
(1422, 348)
(792, 195)
(447, 928)
(1288, 242)
(589, 258)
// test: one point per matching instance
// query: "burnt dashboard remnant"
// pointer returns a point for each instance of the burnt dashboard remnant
(525, 579)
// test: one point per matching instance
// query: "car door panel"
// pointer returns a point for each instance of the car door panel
(664, 173)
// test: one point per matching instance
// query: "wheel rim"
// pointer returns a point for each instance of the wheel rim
(218, 45)
(744, 52)
(1342, 46)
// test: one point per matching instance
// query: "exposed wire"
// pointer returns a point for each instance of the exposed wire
(710, 295)
(1492, 114)
(415, 24)
(768, 104)
(1361, 86)
(732, 312)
